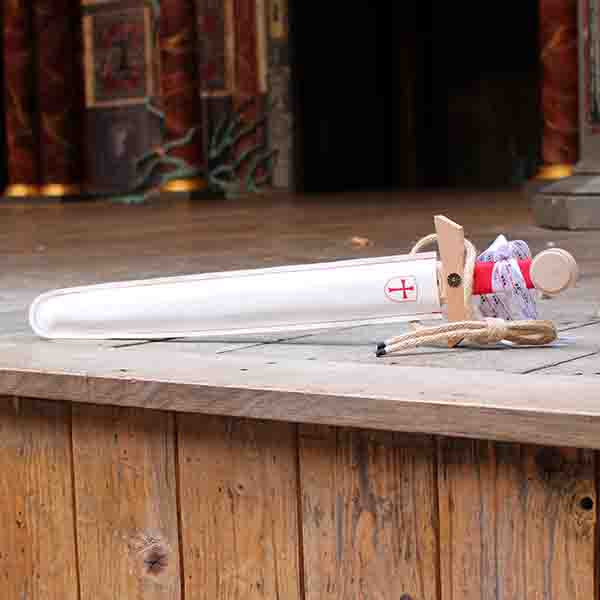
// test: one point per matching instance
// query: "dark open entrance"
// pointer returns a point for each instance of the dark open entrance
(416, 93)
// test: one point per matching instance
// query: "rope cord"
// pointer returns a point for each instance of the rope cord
(486, 331)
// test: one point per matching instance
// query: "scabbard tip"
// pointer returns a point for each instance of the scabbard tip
(381, 346)
(380, 352)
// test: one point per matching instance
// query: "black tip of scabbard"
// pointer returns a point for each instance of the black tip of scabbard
(380, 350)
(381, 346)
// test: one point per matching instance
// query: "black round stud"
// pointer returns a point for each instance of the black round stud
(454, 280)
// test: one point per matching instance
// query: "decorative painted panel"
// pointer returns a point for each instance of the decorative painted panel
(124, 118)
(118, 48)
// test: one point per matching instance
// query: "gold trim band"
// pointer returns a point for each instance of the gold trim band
(552, 172)
(58, 190)
(22, 190)
(185, 185)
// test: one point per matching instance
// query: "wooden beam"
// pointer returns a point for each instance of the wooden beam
(124, 476)
(38, 556)
(238, 502)
(516, 521)
(369, 514)
(541, 409)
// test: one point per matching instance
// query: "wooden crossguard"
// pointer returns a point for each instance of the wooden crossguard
(551, 271)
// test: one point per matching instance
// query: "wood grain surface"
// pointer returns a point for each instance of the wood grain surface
(37, 533)
(516, 521)
(238, 486)
(368, 514)
(126, 505)
(102, 503)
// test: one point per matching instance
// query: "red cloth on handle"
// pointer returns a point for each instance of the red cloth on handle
(482, 277)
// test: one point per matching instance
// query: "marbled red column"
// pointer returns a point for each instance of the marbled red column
(558, 43)
(59, 83)
(181, 100)
(232, 67)
(21, 122)
(246, 63)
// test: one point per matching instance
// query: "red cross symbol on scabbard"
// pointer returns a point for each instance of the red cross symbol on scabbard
(402, 289)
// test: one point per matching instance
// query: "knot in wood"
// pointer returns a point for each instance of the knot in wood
(156, 560)
(153, 553)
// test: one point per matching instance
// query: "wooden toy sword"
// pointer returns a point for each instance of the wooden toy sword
(293, 298)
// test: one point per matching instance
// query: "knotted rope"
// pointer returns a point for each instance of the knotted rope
(529, 332)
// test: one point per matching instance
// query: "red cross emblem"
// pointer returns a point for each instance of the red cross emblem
(401, 289)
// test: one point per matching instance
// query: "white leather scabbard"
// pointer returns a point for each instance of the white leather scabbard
(292, 298)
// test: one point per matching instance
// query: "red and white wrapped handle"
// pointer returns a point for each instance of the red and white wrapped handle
(552, 271)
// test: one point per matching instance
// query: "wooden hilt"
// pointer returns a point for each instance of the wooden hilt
(451, 244)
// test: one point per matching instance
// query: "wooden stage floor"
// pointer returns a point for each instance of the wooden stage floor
(51, 246)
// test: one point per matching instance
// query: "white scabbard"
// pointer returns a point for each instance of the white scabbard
(292, 298)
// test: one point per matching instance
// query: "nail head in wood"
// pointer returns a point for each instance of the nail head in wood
(454, 280)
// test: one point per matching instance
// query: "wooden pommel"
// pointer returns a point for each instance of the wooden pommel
(553, 271)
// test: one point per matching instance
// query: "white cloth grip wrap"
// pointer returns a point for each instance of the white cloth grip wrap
(513, 300)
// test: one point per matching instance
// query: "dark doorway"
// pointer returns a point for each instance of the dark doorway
(416, 93)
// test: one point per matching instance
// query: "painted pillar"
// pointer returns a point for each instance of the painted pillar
(559, 58)
(249, 61)
(574, 202)
(216, 64)
(280, 94)
(59, 89)
(232, 57)
(123, 111)
(19, 88)
(179, 82)
(251, 75)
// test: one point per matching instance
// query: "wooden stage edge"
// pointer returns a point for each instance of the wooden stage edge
(539, 409)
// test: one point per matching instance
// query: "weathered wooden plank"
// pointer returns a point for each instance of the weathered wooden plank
(516, 521)
(499, 406)
(37, 533)
(356, 345)
(125, 491)
(369, 514)
(238, 487)
(467, 520)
